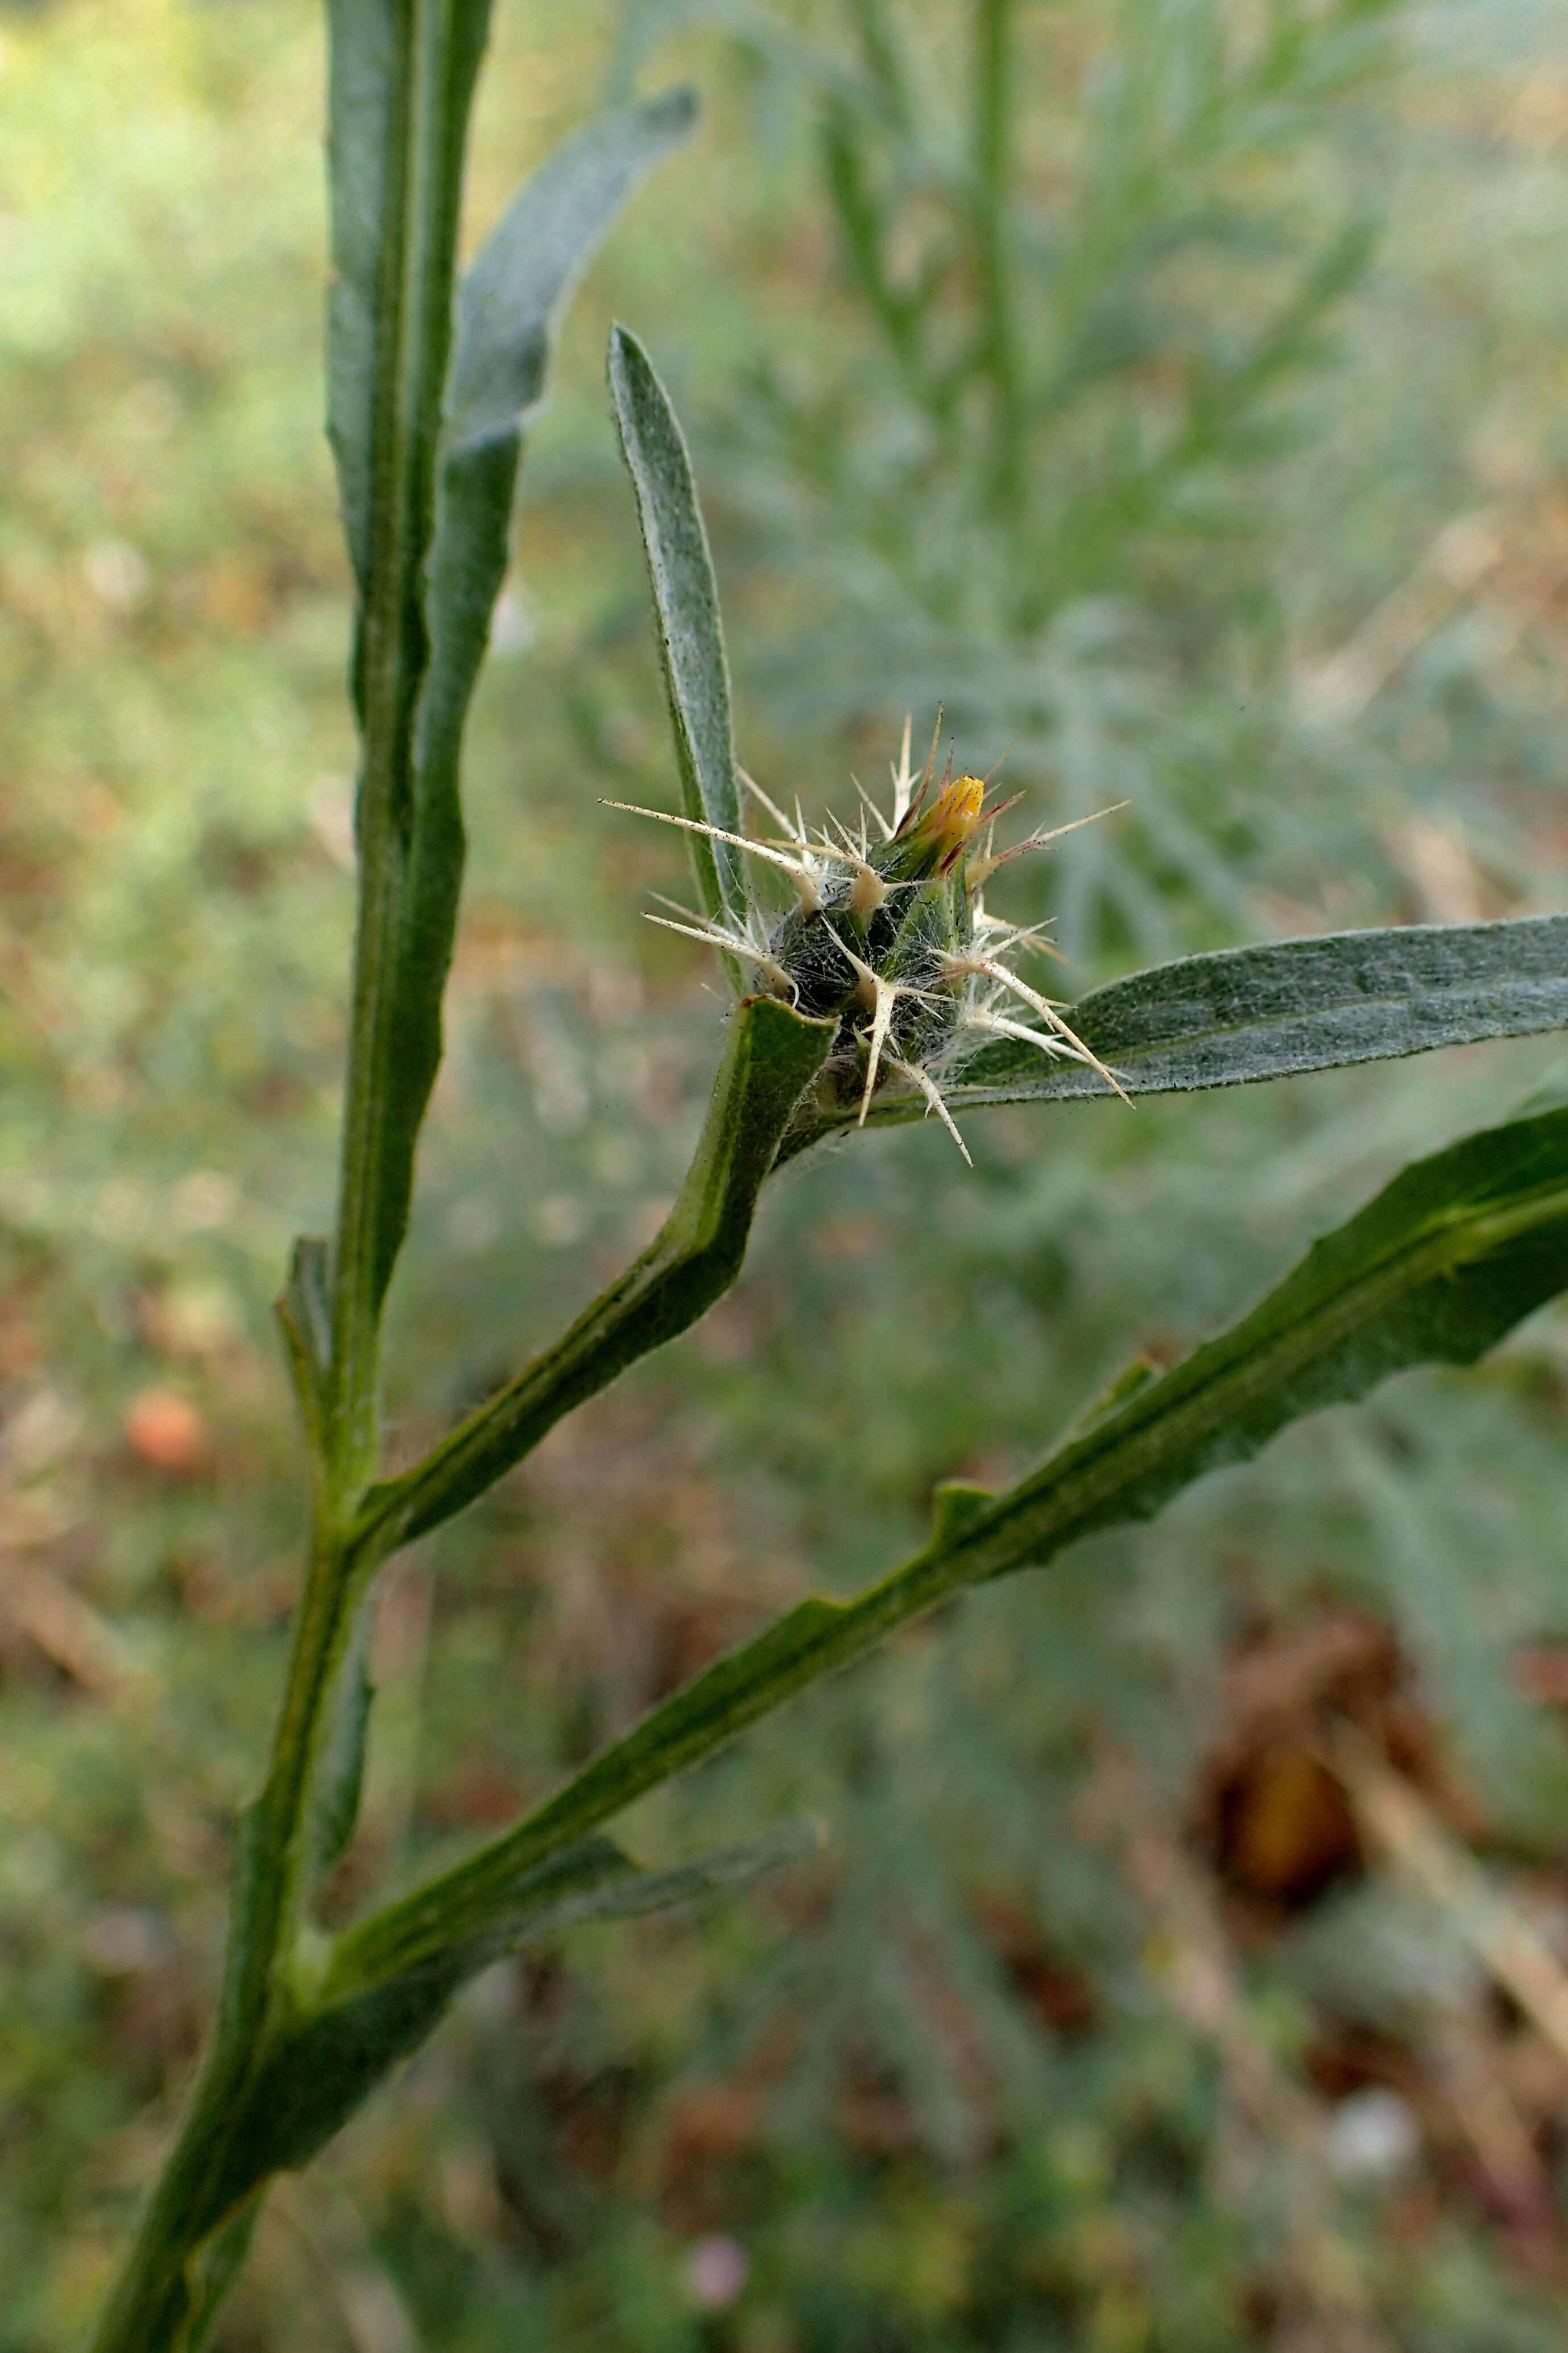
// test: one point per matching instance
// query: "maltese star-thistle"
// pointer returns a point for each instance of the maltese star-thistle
(889, 932)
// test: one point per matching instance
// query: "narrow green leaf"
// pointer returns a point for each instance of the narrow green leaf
(593, 1880)
(382, 1998)
(304, 1313)
(686, 604)
(212, 2272)
(686, 1882)
(508, 310)
(518, 284)
(402, 80)
(1448, 1257)
(374, 66)
(340, 1775)
(1445, 1261)
(1268, 1012)
(319, 2069)
(362, 73)
(309, 1297)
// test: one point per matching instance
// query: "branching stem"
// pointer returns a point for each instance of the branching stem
(1304, 1344)
(772, 1056)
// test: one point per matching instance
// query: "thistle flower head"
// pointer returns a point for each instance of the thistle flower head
(933, 840)
(889, 934)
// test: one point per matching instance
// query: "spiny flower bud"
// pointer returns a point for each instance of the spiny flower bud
(932, 842)
(889, 934)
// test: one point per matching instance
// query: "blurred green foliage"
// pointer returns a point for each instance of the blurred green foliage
(1259, 519)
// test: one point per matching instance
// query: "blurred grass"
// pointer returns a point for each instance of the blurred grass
(944, 2089)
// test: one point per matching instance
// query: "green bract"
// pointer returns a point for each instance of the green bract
(888, 941)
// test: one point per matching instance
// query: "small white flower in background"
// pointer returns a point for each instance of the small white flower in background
(560, 1219)
(1373, 2137)
(330, 814)
(118, 1940)
(117, 573)
(513, 629)
(717, 2269)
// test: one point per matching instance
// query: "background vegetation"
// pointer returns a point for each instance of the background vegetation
(1109, 2017)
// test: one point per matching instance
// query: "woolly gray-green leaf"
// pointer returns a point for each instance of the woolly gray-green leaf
(507, 308)
(510, 300)
(376, 85)
(525, 272)
(430, 573)
(1248, 1014)
(685, 606)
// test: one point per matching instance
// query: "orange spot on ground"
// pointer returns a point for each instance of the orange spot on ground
(165, 1431)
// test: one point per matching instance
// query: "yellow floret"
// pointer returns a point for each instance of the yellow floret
(949, 824)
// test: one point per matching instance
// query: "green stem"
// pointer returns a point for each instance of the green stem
(166, 2297)
(994, 69)
(772, 1057)
(862, 237)
(158, 2300)
(431, 87)
(884, 63)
